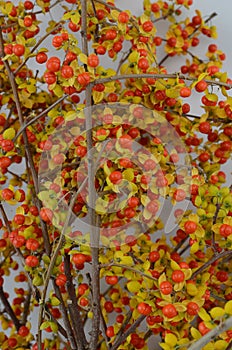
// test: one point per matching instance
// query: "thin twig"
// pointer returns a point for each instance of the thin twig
(65, 317)
(222, 327)
(94, 230)
(26, 306)
(156, 76)
(55, 254)
(9, 309)
(73, 307)
(130, 330)
(179, 245)
(33, 120)
(128, 268)
(210, 262)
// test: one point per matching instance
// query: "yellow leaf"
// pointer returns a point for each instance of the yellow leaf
(228, 307)
(179, 286)
(58, 91)
(172, 92)
(180, 307)
(194, 248)
(174, 265)
(171, 339)
(162, 278)
(83, 58)
(147, 214)
(220, 345)
(133, 57)
(217, 312)
(195, 333)
(9, 134)
(204, 315)
(191, 289)
(98, 96)
(133, 286)
(187, 273)
(55, 301)
(128, 174)
(209, 346)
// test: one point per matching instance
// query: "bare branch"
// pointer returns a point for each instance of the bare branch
(224, 326)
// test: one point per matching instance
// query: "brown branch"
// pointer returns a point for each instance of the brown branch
(78, 329)
(94, 230)
(124, 325)
(184, 249)
(229, 347)
(157, 76)
(179, 245)
(61, 329)
(222, 327)
(50, 7)
(123, 59)
(55, 254)
(65, 318)
(130, 330)
(211, 261)
(128, 268)
(163, 60)
(33, 120)
(5, 218)
(9, 309)
(17, 176)
(26, 306)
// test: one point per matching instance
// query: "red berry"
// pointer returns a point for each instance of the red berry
(115, 177)
(83, 79)
(7, 194)
(28, 21)
(110, 331)
(32, 244)
(190, 227)
(78, 258)
(93, 60)
(192, 308)
(67, 72)
(166, 287)
(178, 276)
(201, 86)
(205, 127)
(32, 261)
(53, 64)
(225, 230)
(154, 256)
(112, 280)
(144, 308)
(18, 49)
(185, 92)
(169, 311)
(61, 280)
(148, 26)
(123, 17)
